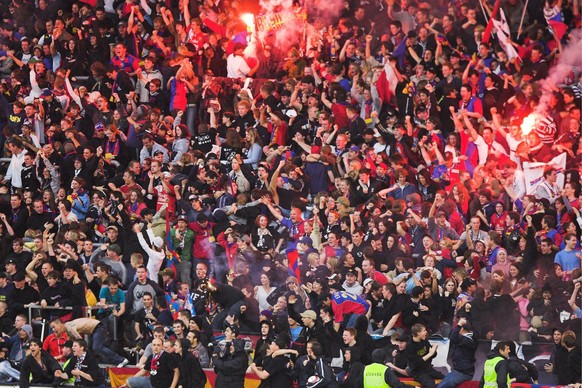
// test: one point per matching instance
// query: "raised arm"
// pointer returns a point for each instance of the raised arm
(267, 201)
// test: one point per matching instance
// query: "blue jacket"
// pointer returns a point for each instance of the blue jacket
(17, 352)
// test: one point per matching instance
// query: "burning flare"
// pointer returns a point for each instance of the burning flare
(249, 20)
(529, 123)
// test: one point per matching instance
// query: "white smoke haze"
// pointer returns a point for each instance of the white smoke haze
(294, 32)
(570, 60)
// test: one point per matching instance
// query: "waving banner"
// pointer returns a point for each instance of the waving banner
(279, 20)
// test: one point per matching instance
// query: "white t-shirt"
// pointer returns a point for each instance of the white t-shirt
(236, 67)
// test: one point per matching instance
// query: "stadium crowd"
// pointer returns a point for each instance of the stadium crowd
(187, 178)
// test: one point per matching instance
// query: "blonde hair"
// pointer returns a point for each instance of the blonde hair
(312, 258)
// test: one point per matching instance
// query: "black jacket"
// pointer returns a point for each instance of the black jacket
(522, 371)
(191, 373)
(32, 373)
(316, 332)
(18, 298)
(89, 366)
(464, 347)
(231, 368)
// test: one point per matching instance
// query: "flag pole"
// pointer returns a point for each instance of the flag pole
(522, 17)
(483, 9)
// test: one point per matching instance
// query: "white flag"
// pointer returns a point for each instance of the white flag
(534, 172)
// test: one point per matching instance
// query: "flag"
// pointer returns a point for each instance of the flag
(503, 38)
(293, 259)
(534, 172)
(487, 32)
(92, 3)
(400, 53)
(119, 376)
(173, 306)
(386, 84)
(172, 256)
(558, 28)
(502, 23)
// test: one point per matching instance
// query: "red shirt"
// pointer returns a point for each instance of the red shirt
(51, 344)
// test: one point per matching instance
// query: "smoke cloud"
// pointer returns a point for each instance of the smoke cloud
(570, 60)
(294, 31)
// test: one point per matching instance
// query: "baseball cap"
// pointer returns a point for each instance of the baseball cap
(18, 277)
(114, 248)
(432, 69)
(113, 227)
(309, 314)
(235, 329)
(355, 148)
(193, 197)
(352, 272)
(168, 272)
(182, 217)
(368, 281)
(10, 261)
(306, 240)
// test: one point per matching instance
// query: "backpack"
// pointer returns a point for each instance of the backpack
(324, 376)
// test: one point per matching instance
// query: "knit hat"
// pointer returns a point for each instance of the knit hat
(28, 330)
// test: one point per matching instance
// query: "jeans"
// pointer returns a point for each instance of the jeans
(99, 338)
(218, 323)
(139, 382)
(427, 379)
(190, 116)
(7, 369)
(183, 269)
(454, 378)
(352, 321)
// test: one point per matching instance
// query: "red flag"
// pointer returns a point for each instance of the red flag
(487, 32)
(558, 27)
(293, 258)
(386, 84)
(215, 27)
(92, 3)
